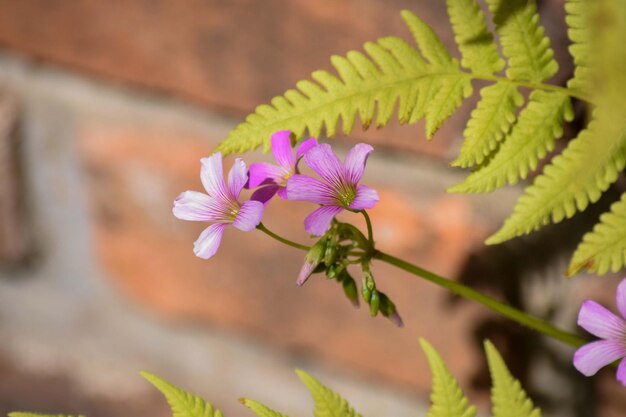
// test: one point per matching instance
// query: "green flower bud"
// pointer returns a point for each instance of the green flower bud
(374, 303)
(312, 260)
(350, 289)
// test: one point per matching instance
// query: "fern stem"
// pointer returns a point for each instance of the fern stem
(506, 310)
(281, 239)
(533, 86)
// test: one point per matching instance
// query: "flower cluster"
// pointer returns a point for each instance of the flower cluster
(337, 189)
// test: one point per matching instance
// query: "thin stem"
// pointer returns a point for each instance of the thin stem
(506, 310)
(273, 235)
(370, 233)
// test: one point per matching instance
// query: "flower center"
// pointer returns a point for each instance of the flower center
(282, 182)
(346, 195)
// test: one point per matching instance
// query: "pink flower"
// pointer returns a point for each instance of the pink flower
(602, 323)
(219, 205)
(337, 191)
(271, 178)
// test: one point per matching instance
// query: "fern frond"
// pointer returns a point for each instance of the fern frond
(327, 402)
(182, 403)
(604, 248)
(508, 399)
(391, 74)
(490, 121)
(447, 398)
(259, 409)
(539, 124)
(523, 40)
(478, 49)
(573, 179)
(579, 32)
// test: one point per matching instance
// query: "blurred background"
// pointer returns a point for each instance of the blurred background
(106, 109)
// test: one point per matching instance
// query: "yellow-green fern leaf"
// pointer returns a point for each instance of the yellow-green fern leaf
(539, 124)
(490, 121)
(182, 403)
(523, 40)
(604, 248)
(579, 33)
(478, 49)
(327, 402)
(259, 409)
(508, 399)
(392, 74)
(573, 179)
(447, 398)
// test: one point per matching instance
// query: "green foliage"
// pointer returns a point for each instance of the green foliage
(259, 409)
(504, 139)
(507, 396)
(183, 404)
(327, 402)
(447, 399)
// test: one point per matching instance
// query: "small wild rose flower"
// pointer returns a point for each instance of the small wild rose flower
(602, 323)
(219, 205)
(337, 191)
(272, 178)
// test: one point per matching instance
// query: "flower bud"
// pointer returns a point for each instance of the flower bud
(312, 259)
(374, 303)
(350, 289)
(388, 309)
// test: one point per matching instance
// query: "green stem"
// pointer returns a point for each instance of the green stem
(506, 310)
(370, 233)
(273, 235)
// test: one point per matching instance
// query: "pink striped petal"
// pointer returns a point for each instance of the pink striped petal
(264, 173)
(282, 193)
(325, 163)
(281, 149)
(209, 241)
(318, 222)
(195, 206)
(265, 194)
(305, 272)
(212, 175)
(589, 358)
(601, 322)
(621, 372)
(237, 178)
(366, 198)
(249, 215)
(305, 146)
(305, 188)
(355, 162)
(621, 298)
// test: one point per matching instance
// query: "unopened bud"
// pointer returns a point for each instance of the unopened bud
(374, 303)
(388, 309)
(350, 289)
(312, 260)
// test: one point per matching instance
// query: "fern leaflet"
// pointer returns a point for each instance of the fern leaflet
(259, 409)
(183, 404)
(327, 402)
(573, 179)
(447, 399)
(603, 249)
(539, 124)
(579, 32)
(478, 49)
(507, 396)
(523, 40)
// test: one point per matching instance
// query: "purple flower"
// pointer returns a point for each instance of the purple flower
(339, 189)
(271, 178)
(601, 322)
(219, 205)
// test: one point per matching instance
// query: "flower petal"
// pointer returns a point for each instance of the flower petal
(249, 215)
(325, 163)
(281, 149)
(366, 198)
(589, 358)
(621, 372)
(264, 173)
(209, 241)
(621, 298)
(305, 146)
(212, 175)
(318, 222)
(282, 193)
(195, 206)
(355, 162)
(237, 177)
(601, 322)
(305, 272)
(305, 188)
(265, 193)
